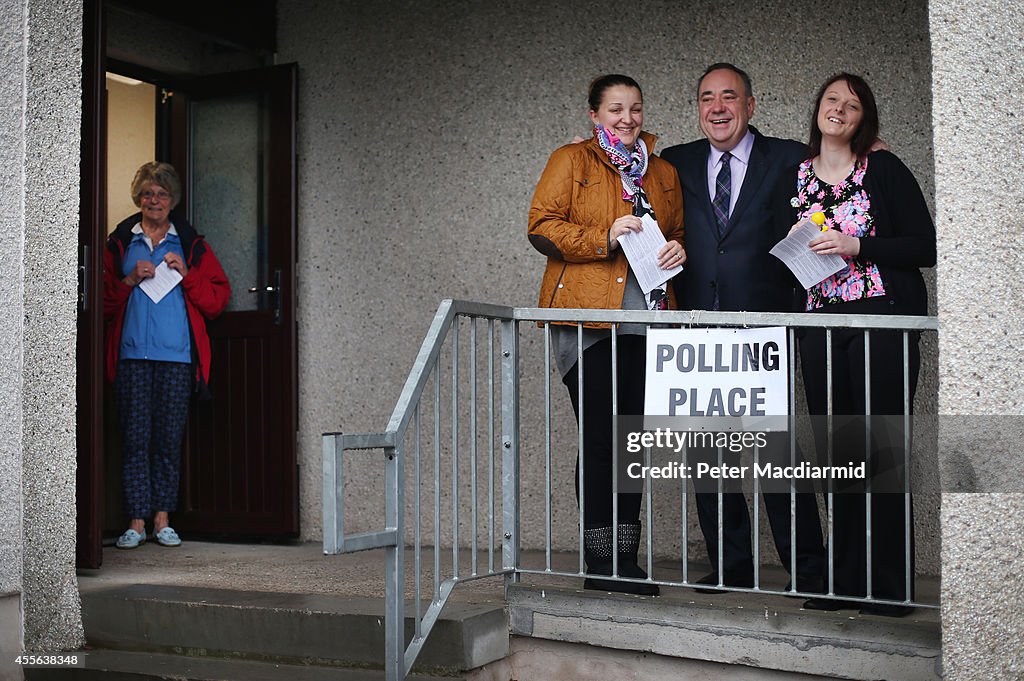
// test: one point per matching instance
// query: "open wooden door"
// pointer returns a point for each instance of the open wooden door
(89, 357)
(233, 143)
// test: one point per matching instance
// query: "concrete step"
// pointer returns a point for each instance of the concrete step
(117, 665)
(770, 634)
(283, 628)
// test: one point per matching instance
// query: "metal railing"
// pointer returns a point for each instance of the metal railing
(494, 453)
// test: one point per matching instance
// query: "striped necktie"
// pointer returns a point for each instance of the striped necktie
(723, 191)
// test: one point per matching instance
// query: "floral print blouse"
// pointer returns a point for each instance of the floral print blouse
(847, 207)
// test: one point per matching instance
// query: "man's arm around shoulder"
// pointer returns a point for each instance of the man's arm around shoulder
(786, 152)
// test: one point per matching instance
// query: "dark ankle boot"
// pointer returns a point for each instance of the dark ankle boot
(629, 566)
(597, 552)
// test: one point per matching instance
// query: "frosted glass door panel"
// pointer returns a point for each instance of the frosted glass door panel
(227, 191)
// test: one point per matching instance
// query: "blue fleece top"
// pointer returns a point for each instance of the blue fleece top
(154, 331)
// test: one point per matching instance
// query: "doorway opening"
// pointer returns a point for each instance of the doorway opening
(158, 87)
(130, 142)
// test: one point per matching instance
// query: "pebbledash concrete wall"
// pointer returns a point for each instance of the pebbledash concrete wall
(423, 130)
(12, 238)
(40, 128)
(52, 157)
(978, 68)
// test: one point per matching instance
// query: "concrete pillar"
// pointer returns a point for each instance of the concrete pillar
(40, 134)
(978, 73)
(12, 237)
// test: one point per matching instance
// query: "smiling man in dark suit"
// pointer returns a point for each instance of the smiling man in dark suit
(728, 179)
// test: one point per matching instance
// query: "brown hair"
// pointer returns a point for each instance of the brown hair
(602, 83)
(867, 131)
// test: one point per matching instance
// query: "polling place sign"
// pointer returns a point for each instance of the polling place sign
(717, 373)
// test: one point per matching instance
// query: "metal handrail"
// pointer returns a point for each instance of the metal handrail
(398, 658)
(718, 318)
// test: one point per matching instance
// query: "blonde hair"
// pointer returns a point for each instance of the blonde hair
(158, 173)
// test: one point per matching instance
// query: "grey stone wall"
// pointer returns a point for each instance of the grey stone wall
(45, 212)
(12, 237)
(423, 130)
(978, 68)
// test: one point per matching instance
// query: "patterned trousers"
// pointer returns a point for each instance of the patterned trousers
(152, 399)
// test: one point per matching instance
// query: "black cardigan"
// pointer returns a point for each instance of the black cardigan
(904, 238)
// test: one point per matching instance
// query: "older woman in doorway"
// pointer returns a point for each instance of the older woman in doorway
(589, 196)
(876, 219)
(158, 352)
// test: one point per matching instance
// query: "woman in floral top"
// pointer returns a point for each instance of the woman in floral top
(876, 219)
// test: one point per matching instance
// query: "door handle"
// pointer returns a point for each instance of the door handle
(274, 292)
(83, 279)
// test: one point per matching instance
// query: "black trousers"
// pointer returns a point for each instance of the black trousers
(597, 424)
(737, 553)
(884, 455)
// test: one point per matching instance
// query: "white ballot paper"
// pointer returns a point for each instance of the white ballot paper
(160, 284)
(809, 267)
(641, 249)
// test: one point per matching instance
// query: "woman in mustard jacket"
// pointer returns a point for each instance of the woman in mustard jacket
(589, 195)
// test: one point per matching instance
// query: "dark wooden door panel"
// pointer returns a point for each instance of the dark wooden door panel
(239, 469)
(235, 466)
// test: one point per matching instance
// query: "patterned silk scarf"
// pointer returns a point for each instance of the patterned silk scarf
(631, 166)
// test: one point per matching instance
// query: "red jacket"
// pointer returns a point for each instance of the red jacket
(205, 286)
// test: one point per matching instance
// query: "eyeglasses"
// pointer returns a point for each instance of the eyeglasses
(158, 195)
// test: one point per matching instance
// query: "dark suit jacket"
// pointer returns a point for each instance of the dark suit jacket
(738, 264)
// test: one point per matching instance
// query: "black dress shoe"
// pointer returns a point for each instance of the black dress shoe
(626, 569)
(885, 609)
(731, 579)
(710, 578)
(830, 604)
(808, 584)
